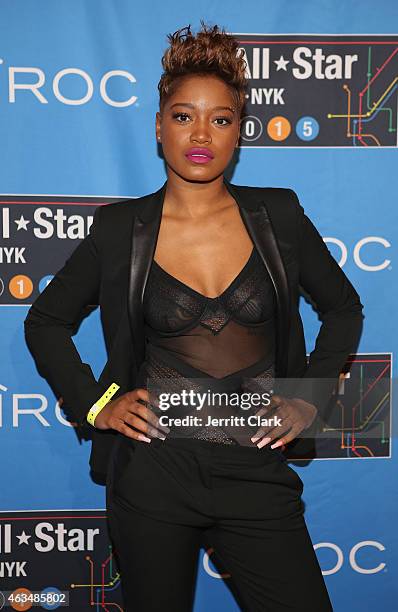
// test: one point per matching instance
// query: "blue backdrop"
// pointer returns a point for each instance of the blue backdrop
(78, 96)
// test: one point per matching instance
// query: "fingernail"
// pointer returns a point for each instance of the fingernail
(144, 438)
(279, 443)
(263, 442)
(255, 438)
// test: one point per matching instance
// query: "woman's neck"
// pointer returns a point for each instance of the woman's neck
(192, 200)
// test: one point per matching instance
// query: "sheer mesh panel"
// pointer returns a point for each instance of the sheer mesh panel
(232, 349)
(227, 341)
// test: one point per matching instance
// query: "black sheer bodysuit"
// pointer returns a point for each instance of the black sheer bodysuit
(223, 344)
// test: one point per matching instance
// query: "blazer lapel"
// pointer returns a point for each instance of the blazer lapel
(255, 213)
(256, 217)
(144, 235)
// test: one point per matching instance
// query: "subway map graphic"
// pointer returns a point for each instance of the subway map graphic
(68, 551)
(320, 90)
(358, 421)
(31, 227)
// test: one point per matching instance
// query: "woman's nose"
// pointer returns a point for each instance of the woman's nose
(200, 132)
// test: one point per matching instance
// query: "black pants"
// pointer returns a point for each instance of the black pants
(165, 499)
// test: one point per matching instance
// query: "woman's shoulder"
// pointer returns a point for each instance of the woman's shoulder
(262, 189)
(273, 196)
(129, 206)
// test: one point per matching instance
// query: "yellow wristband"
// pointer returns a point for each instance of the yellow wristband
(99, 404)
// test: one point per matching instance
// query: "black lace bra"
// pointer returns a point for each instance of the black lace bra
(224, 344)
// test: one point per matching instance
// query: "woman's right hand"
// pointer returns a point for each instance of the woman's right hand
(126, 410)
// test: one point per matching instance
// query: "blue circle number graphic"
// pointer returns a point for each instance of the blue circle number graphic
(307, 128)
(54, 598)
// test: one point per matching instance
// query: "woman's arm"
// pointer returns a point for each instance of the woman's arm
(339, 308)
(53, 318)
(340, 311)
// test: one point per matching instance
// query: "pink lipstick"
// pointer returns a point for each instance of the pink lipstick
(199, 155)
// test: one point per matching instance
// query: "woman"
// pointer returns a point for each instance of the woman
(213, 302)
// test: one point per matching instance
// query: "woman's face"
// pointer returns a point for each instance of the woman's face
(199, 128)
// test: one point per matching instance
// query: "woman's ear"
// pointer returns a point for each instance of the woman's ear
(157, 126)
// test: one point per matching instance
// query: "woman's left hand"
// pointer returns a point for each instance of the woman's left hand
(295, 414)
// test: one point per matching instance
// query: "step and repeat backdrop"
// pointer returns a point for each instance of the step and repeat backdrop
(78, 97)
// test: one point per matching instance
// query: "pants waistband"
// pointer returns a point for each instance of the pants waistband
(216, 449)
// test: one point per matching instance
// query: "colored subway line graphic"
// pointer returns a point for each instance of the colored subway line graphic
(357, 424)
(70, 551)
(320, 90)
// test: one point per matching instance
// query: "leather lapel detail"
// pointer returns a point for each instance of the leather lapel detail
(144, 235)
(256, 215)
(258, 225)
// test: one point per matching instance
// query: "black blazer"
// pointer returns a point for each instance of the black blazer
(110, 267)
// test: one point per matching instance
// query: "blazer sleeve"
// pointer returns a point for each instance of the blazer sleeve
(53, 319)
(339, 307)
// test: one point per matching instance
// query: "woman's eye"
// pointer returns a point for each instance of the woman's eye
(184, 115)
(226, 119)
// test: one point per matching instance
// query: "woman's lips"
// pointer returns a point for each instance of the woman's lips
(199, 155)
(198, 158)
